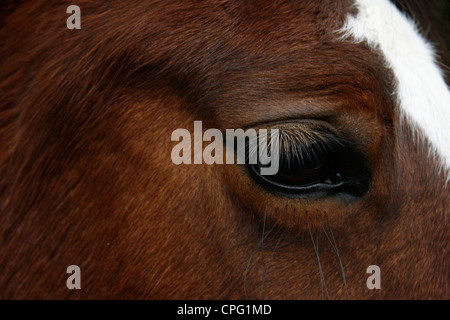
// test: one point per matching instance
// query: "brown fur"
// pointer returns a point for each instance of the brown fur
(86, 176)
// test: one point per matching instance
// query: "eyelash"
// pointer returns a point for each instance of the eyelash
(315, 160)
(295, 144)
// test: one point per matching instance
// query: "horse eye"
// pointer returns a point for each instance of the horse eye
(315, 169)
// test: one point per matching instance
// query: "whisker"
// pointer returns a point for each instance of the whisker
(264, 228)
(254, 253)
(336, 250)
(268, 264)
(322, 278)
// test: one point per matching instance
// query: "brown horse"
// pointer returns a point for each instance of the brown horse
(86, 176)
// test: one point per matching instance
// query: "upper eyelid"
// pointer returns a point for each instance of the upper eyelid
(304, 138)
(308, 132)
(305, 133)
(309, 136)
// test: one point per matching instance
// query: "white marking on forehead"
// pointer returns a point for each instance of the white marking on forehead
(422, 93)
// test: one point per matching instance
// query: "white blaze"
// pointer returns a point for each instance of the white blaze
(423, 96)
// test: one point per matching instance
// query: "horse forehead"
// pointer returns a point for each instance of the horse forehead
(421, 93)
(285, 54)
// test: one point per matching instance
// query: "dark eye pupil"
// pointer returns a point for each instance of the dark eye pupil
(296, 171)
(304, 172)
